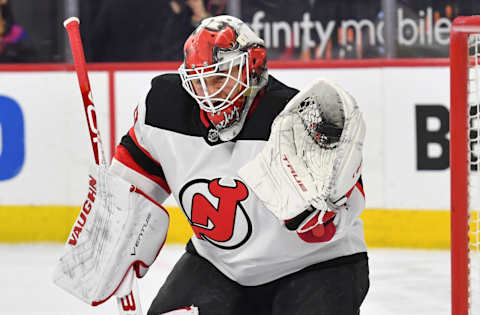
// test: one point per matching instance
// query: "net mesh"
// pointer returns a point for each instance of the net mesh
(474, 180)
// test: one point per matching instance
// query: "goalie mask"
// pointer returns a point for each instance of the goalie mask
(223, 70)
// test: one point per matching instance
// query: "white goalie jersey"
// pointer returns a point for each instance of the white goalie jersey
(172, 149)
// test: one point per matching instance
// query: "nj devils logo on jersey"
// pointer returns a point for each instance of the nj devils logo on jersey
(215, 211)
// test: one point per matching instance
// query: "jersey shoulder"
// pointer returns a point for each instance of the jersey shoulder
(169, 107)
(272, 102)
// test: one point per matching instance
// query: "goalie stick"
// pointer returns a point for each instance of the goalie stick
(128, 301)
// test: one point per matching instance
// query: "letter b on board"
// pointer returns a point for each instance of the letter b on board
(12, 138)
(433, 125)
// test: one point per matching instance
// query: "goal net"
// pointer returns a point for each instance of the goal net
(465, 164)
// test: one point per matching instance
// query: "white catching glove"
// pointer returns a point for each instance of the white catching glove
(312, 158)
(117, 229)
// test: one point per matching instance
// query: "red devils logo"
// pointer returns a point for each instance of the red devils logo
(215, 211)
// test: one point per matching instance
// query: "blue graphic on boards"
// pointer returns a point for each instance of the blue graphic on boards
(12, 138)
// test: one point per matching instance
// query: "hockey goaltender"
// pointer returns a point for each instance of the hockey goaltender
(269, 178)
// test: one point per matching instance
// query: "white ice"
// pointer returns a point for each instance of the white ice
(403, 282)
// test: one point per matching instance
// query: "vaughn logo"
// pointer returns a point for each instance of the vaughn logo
(87, 207)
(215, 211)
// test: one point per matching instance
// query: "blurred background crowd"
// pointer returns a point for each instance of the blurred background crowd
(154, 30)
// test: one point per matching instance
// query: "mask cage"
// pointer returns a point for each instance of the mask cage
(212, 103)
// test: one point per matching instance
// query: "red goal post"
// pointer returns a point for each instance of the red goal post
(464, 164)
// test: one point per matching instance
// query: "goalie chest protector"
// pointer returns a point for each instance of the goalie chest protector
(232, 229)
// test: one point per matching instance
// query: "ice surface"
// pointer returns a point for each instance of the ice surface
(403, 282)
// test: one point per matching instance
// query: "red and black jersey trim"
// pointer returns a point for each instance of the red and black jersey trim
(140, 161)
(359, 186)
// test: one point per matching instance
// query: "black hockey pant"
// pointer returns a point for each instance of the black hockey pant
(336, 287)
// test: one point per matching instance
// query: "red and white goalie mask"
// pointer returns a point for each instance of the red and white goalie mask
(223, 70)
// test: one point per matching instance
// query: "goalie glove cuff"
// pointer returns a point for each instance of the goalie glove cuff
(314, 225)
